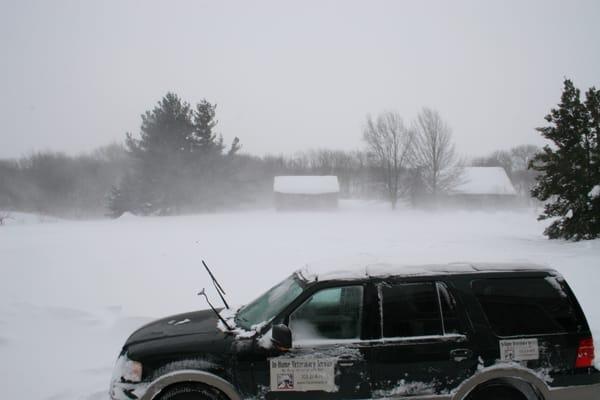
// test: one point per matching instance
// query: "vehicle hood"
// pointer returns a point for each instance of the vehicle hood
(192, 323)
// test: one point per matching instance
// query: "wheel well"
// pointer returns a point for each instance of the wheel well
(525, 389)
(178, 385)
(190, 377)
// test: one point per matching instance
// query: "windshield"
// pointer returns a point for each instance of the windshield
(269, 304)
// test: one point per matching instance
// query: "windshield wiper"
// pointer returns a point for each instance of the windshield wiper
(203, 293)
(219, 288)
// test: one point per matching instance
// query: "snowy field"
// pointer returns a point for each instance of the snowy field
(71, 292)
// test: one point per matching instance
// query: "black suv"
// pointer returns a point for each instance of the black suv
(457, 331)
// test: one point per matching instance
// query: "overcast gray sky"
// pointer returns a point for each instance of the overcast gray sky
(289, 76)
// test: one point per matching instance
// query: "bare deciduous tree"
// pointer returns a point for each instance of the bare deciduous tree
(499, 158)
(522, 156)
(434, 153)
(390, 143)
(523, 178)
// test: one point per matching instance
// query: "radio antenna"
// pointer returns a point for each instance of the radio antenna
(203, 293)
(218, 286)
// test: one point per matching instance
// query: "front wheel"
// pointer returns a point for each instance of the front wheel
(192, 391)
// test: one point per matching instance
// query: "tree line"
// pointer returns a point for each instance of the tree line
(179, 164)
(131, 177)
(60, 184)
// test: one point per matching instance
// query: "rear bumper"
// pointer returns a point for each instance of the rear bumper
(585, 392)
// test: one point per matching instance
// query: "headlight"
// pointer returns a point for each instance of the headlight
(127, 370)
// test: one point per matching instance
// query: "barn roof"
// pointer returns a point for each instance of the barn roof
(485, 180)
(306, 184)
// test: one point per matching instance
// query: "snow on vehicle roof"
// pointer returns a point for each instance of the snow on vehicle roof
(306, 184)
(382, 270)
(485, 180)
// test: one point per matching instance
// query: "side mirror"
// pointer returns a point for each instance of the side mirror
(281, 336)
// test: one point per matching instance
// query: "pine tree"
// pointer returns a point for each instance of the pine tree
(121, 198)
(178, 159)
(204, 124)
(116, 205)
(570, 169)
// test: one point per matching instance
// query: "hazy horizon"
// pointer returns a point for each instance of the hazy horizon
(289, 76)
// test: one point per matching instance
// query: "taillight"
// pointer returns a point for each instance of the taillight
(585, 353)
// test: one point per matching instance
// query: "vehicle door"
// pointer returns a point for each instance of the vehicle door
(424, 347)
(325, 361)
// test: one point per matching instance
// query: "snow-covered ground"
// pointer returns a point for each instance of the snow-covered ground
(70, 292)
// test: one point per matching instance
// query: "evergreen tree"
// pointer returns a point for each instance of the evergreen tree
(570, 169)
(115, 203)
(204, 124)
(178, 159)
(121, 198)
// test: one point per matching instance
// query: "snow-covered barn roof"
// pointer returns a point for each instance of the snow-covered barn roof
(485, 180)
(306, 184)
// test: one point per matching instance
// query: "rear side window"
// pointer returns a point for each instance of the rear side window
(525, 306)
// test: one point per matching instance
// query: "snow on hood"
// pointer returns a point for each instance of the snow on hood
(191, 323)
(229, 316)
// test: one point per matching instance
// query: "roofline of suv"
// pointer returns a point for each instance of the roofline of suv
(384, 271)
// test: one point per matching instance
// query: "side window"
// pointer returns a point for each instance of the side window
(334, 313)
(525, 306)
(410, 309)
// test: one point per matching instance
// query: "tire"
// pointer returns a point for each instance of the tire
(496, 393)
(192, 391)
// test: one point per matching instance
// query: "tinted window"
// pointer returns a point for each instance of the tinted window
(527, 306)
(329, 314)
(410, 310)
(450, 316)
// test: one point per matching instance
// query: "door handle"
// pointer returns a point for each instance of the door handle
(459, 355)
(345, 363)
